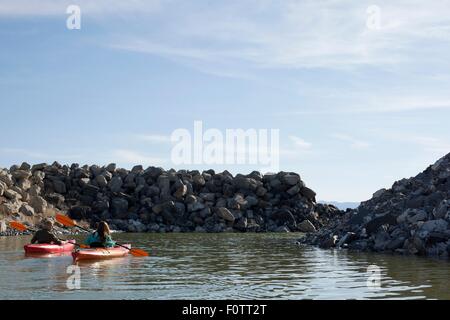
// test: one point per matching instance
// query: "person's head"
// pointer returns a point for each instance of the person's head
(103, 230)
(47, 224)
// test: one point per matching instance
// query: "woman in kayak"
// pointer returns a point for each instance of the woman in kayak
(101, 238)
(45, 234)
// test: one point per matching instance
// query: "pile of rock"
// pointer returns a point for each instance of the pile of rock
(412, 217)
(155, 200)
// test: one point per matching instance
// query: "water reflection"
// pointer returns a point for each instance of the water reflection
(222, 266)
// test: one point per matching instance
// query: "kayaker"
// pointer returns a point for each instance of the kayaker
(45, 234)
(101, 238)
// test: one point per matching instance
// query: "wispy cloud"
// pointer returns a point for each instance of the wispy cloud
(284, 38)
(153, 138)
(299, 143)
(58, 7)
(354, 143)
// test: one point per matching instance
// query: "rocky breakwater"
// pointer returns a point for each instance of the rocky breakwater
(155, 200)
(412, 217)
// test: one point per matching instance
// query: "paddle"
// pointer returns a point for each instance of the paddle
(65, 220)
(20, 227)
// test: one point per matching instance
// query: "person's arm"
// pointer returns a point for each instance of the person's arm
(34, 239)
(110, 242)
(55, 239)
(89, 240)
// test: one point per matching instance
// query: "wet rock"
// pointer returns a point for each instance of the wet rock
(136, 226)
(349, 236)
(282, 229)
(306, 226)
(284, 216)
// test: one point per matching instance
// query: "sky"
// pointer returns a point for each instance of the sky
(359, 90)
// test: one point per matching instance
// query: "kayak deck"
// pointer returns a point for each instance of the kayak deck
(47, 248)
(100, 253)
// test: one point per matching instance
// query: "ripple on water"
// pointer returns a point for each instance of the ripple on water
(222, 266)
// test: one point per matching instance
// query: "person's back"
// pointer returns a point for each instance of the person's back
(100, 238)
(94, 241)
(45, 236)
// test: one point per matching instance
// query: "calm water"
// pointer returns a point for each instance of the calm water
(222, 266)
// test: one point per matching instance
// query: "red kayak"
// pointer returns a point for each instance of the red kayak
(100, 253)
(67, 246)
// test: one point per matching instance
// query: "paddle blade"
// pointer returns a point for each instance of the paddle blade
(65, 220)
(18, 226)
(139, 253)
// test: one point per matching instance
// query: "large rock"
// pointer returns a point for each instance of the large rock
(434, 226)
(9, 208)
(38, 203)
(26, 210)
(119, 207)
(225, 214)
(3, 188)
(291, 179)
(115, 185)
(12, 195)
(308, 193)
(442, 211)
(6, 178)
(101, 181)
(21, 174)
(59, 186)
(306, 226)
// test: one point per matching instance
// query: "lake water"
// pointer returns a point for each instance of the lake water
(222, 266)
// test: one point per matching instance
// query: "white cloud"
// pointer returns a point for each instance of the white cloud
(299, 143)
(154, 138)
(354, 143)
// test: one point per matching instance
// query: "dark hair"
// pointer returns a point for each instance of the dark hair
(103, 230)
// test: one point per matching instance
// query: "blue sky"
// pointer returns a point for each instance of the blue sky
(357, 107)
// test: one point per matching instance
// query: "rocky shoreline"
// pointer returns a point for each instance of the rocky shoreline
(412, 217)
(155, 200)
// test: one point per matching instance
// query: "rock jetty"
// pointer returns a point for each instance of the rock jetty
(155, 200)
(412, 217)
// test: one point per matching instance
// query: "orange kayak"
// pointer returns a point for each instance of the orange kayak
(100, 253)
(67, 246)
